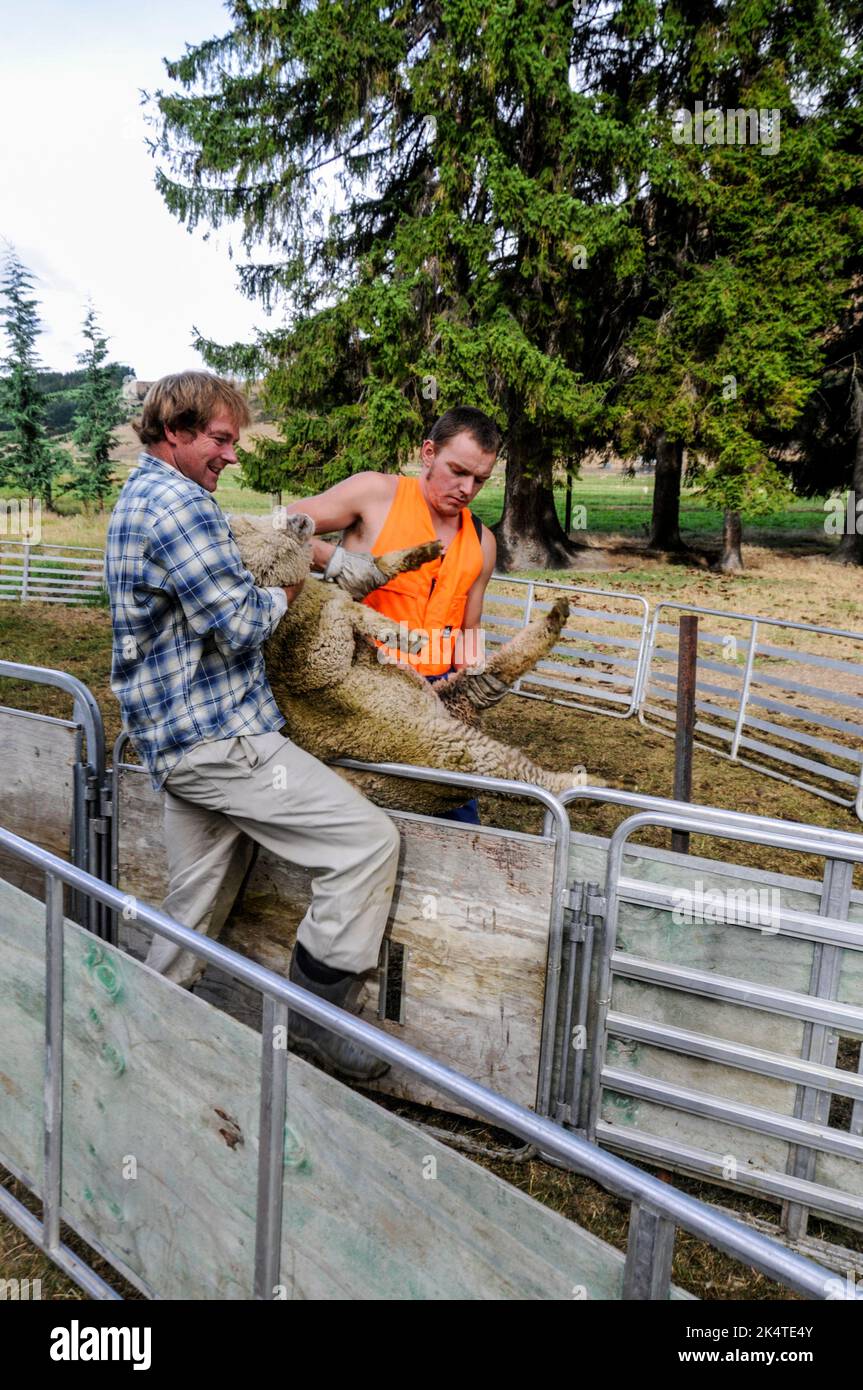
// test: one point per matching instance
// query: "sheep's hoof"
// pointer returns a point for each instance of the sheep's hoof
(557, 615)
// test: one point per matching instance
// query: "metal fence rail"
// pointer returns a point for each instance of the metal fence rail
(596, 664)
(782, 698)
(824, 1011)
(655, 1208)
(50, 573)
(773, 695)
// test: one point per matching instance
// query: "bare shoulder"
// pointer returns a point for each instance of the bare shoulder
(371, 497)
(379, 485)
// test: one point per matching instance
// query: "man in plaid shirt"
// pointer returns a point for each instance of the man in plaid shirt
(189, 625)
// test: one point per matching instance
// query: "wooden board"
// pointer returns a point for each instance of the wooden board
(471, 909)
(37, 756)
(160, 1084)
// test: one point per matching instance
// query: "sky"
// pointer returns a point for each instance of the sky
(77, 194)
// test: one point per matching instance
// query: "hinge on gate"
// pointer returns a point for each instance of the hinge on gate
(582, 903)
(573, 897)
(106, 805)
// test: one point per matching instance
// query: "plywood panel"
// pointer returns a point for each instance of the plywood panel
(160, 1154)
(37, 756)
(471, 908)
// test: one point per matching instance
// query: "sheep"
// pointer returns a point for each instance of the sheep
(341, 700)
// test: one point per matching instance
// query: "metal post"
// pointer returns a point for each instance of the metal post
(649, 1252)
(820, 1042)
(53, 1118)
(25, 574)
(577, 1104)
(574, 935)
(687, 665)
(271, 1147)
(744, 690)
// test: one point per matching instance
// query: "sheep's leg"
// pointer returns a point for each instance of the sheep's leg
(494, 759)
(397, 561)
(367, 622)
(509, 662)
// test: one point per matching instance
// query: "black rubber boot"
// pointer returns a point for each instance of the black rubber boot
(332, 1052)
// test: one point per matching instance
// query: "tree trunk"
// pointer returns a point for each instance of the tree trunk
(665, 521)
(731, 560)
(529, 534)
(850, 548)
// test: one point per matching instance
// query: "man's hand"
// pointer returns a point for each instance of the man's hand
(356, 573)
(291, 590)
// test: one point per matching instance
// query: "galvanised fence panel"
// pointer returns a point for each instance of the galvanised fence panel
(242, 1191)
(726, 1012)
(596, 664)
(50, 573)
(783, 698)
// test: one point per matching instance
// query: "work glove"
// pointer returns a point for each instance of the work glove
(485, 690)
(356, 573)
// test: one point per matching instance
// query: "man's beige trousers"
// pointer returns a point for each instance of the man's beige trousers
(227, 793)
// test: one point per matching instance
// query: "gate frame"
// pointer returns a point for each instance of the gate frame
(532, 606)
(836, 848)
(90, 830)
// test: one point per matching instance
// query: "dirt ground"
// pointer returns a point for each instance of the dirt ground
(618, 753)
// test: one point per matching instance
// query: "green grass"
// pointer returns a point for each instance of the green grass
(617, 505)
(614, 505)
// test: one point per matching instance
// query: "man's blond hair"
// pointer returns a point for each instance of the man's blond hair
(189, 401)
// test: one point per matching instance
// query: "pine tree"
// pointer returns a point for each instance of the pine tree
(28, 459)
(514, 226)
(477, 234)
(98, 412)
(750, 259)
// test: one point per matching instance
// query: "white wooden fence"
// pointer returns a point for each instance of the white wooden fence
(50, 573)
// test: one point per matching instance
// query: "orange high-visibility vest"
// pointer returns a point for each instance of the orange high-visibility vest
(432, 598)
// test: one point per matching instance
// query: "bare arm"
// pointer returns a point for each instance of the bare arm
(472, 648)
(338, 509)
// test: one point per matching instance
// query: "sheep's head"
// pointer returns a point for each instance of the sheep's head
(276, 548)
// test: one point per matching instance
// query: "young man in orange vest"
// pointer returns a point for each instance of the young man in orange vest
(440, 604)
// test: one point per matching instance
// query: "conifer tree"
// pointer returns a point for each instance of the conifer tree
(28, 459)
(474, 233)
(463, 202)
(97, 415)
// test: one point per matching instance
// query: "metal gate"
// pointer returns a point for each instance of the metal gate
(720, 998)
(55, 769)
(783, 698)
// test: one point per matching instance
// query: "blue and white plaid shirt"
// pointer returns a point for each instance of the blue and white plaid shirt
(189, 621)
